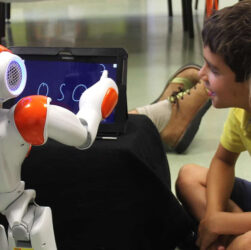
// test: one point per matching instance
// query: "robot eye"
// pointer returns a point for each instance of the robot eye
(14, 75)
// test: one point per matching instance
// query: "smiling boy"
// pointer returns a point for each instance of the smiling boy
(218, 200)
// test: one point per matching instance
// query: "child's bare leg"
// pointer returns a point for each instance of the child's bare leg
(191, 190)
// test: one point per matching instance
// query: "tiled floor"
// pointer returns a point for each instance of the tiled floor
(156, 45)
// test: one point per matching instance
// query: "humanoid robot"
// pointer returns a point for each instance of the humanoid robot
(30, 122)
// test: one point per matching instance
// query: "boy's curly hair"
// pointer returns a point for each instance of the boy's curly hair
(228, 33)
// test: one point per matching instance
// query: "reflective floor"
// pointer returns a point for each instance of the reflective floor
(156, 44)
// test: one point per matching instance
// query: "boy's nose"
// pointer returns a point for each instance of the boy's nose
(202, 73)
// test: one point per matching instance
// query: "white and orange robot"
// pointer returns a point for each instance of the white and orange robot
(30, 122)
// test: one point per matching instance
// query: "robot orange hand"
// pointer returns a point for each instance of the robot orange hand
(109, 102)
(101, 98)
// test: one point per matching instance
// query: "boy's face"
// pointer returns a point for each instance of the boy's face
(221, 84)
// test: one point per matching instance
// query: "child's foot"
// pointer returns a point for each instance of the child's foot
(184, 78)
(188, 108)
(160, 110)
(178, 111)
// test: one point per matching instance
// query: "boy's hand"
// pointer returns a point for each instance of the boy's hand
(206, 237)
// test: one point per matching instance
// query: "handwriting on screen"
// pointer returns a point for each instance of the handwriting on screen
(61, 91)
(44, 89)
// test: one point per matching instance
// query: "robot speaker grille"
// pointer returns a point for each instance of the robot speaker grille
(14, 76)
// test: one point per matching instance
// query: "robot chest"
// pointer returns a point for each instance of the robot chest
(12, 145)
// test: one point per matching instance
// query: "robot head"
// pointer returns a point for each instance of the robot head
(12, 75)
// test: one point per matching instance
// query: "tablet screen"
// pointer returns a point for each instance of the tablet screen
(65, 81)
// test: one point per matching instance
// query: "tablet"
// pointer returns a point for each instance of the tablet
(63, 74)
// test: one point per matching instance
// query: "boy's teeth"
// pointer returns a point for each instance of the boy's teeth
(210, 93)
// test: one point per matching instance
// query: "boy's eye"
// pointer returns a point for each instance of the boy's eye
(215, 71)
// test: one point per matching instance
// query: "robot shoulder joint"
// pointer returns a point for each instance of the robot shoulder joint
(30, 118)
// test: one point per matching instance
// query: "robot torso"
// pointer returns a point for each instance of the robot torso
(13, 150)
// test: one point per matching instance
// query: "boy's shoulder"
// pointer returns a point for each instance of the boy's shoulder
(239, 113)
(241, 116)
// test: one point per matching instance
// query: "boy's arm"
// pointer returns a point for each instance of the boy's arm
(226, 223)
(220, 180)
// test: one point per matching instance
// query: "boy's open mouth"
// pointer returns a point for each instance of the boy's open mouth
(210, 93)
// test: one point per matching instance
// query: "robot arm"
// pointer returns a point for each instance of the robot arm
(36, 119)
(97, 103)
